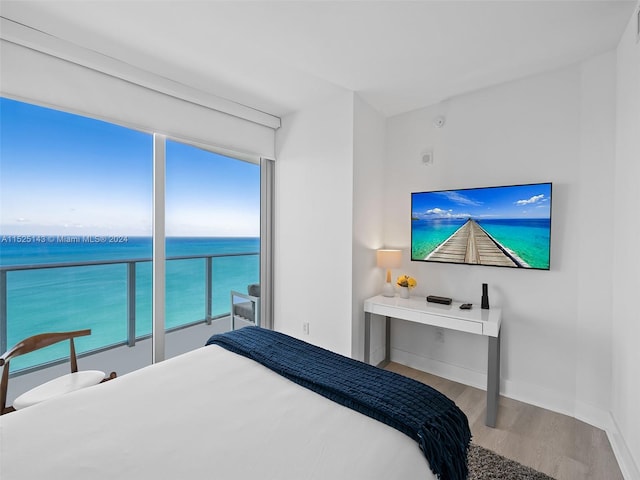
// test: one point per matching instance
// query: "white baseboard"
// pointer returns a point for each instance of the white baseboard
(441, 369)
(593, 416)
(532, 395)
(628, 466)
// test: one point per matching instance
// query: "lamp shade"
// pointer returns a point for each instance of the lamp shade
(389, 258)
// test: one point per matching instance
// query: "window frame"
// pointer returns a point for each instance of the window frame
(267, 183)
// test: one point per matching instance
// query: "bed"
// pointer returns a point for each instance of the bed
(217, 412)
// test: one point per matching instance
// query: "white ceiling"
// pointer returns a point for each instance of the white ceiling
(280, 56)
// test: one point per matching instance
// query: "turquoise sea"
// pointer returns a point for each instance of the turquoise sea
(74, 298)
(528, 238)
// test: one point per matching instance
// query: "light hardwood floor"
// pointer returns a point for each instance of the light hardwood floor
(555, 444)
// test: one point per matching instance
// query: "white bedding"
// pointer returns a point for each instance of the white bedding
(207, 414)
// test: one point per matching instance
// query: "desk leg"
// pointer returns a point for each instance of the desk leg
(387, 340)
(367, 336)
(493, 380)
(367, 340)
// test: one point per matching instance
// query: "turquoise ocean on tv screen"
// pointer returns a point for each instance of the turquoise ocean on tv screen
(528, 238)
(95, 297)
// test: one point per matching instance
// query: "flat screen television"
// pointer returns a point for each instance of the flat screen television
(507, 226)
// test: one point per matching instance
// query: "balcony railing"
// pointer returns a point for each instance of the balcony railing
(131, 286)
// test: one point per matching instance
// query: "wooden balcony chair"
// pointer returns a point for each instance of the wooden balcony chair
(56, 387)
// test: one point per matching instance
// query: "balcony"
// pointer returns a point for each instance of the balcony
(112, 297)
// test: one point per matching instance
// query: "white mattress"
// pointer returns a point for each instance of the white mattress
(207, 414)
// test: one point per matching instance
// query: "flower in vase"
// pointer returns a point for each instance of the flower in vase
(406, 281)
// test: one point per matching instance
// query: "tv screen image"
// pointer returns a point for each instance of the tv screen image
(507, 226)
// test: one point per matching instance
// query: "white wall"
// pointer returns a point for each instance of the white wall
(556, 127)
(329, 202)
(626, 266)
(368, 187)
(314, 224)
(595, 200)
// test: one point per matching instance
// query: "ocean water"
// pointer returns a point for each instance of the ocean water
(426, 235)
(74, 298)
(528, 238)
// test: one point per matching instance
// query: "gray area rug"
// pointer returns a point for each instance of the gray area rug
(487, 465)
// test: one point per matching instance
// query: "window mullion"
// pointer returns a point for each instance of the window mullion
(159, 252)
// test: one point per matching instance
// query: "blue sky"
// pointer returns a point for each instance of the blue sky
(66, 174)
(522, 201)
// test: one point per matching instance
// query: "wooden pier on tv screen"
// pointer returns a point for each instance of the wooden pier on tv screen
(472, 244)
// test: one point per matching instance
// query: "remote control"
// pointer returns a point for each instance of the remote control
(465, 306)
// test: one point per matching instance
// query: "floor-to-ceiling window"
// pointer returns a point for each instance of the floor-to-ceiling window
(212, 227)
(76, 227)
(75, 212)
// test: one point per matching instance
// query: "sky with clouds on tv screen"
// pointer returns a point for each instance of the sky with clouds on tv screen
(521, 201)
(66, 174)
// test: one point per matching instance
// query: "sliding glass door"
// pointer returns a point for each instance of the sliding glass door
(81, 201)
(212, 227)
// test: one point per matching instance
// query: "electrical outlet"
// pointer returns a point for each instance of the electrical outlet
(439, 335)
(305, 328)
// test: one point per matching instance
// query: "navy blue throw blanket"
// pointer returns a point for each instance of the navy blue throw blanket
(433, 420)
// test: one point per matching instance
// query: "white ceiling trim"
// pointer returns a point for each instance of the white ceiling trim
(43, 42)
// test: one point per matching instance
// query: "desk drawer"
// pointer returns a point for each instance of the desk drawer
(451, 323)
(395, 312)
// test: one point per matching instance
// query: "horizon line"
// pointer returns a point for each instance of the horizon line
(42, 237)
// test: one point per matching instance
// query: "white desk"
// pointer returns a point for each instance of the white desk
(418, 310)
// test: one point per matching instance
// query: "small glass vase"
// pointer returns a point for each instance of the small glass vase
(404, 292)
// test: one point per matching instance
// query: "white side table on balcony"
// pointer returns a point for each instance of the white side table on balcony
(416, 309)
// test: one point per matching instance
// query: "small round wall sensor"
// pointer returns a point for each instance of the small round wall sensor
(439, 121)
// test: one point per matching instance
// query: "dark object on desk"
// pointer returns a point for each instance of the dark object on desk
(436, 299)
(465, 306)
(485, 297)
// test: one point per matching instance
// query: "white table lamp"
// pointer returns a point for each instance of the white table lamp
(389, 259)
